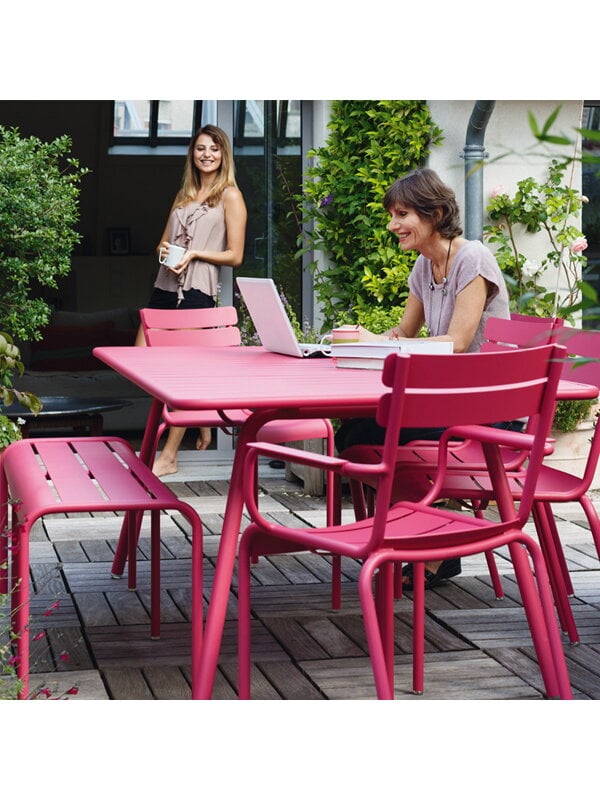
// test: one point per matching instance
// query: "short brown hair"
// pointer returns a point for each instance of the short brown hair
(423, 191)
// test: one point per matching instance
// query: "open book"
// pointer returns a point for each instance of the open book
(371, 355)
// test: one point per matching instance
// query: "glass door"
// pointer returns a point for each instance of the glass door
(268, 159)
(267, 149)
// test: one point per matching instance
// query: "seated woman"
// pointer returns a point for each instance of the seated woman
(454, 286)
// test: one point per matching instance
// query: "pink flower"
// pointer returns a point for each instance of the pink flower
(73, 690)
(39, 636)
(499, 190)
(44, 692)
(64, 656)
(52, 609)
(578, 245)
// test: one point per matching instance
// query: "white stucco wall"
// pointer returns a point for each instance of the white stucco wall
(508, 134)
(511, 155)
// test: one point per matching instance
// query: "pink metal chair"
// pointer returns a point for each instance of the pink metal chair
(519, 331)
(521, 382)
(66, 475)
(215, 327)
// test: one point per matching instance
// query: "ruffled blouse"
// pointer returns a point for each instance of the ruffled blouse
(195, 226)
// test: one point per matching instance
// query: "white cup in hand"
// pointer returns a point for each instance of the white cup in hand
(172, 257)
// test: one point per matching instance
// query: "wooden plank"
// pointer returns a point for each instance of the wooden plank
(331, 638)
(167, 683)
(94, 608)
(71, 552)
(126, 683)
(70, 649)
(130, 645)
(295, 639)
(290, 682)
(261, 686)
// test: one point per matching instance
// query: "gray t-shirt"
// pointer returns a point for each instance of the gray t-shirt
(471, 260)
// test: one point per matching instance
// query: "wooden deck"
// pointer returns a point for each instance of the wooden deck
(97, 634)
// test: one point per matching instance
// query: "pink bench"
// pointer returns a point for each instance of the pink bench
(61, 475)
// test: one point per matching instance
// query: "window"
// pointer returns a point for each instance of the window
(250, 118)
(142, 124)
(591, 210)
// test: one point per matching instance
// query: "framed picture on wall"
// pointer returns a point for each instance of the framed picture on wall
(119, 241)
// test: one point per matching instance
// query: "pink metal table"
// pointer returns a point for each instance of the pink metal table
(275, 387)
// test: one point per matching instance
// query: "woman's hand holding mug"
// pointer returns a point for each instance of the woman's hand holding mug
(171, 255)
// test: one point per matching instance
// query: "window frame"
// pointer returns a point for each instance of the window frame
(153, 139)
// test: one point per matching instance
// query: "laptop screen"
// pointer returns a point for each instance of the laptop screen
(269, 316)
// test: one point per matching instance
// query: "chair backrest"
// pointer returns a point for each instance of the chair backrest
(206, 327)
(472, 389)
(583, 349)
(519, 331)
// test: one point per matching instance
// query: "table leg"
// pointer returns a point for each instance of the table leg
(204, 671)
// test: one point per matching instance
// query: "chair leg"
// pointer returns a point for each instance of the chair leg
(550, 525)
(371, 619)
(155, 574)
(592, 518)
(418, 627)
(244, 665)
(20, 606)
(125, 544)
(336, 582)
(358, 500)
(552, 550)
(478, 509)
(494, 575)
(539, 610)
(385, 611)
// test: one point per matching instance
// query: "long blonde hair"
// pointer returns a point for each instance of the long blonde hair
(190, 184)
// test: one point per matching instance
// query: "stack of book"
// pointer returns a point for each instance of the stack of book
(371, 355)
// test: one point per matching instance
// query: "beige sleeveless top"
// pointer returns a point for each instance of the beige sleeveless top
(195, 226)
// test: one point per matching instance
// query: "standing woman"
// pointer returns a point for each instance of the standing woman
(208, 219)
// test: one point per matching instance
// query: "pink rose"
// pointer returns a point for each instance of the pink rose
(578, 245)
(497, 191)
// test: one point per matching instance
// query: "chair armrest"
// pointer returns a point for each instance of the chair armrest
(482, 433)
(305, 457)
(318, 460)
(515, 440)
(331, 464)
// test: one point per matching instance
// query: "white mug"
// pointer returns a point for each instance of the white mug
(173, 257)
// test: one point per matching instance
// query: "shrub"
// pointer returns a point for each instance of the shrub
(39, 191)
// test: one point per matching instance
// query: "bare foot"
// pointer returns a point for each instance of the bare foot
(164, 466)
(204, 438)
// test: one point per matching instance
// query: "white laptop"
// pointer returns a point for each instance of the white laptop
(271, 321)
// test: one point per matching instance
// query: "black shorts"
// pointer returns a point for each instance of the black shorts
(193, 298)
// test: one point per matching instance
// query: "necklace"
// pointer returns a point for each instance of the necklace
(432, 287)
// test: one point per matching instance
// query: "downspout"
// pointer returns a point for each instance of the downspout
(474, 154)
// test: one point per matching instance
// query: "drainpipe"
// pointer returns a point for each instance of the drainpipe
(474, 154)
